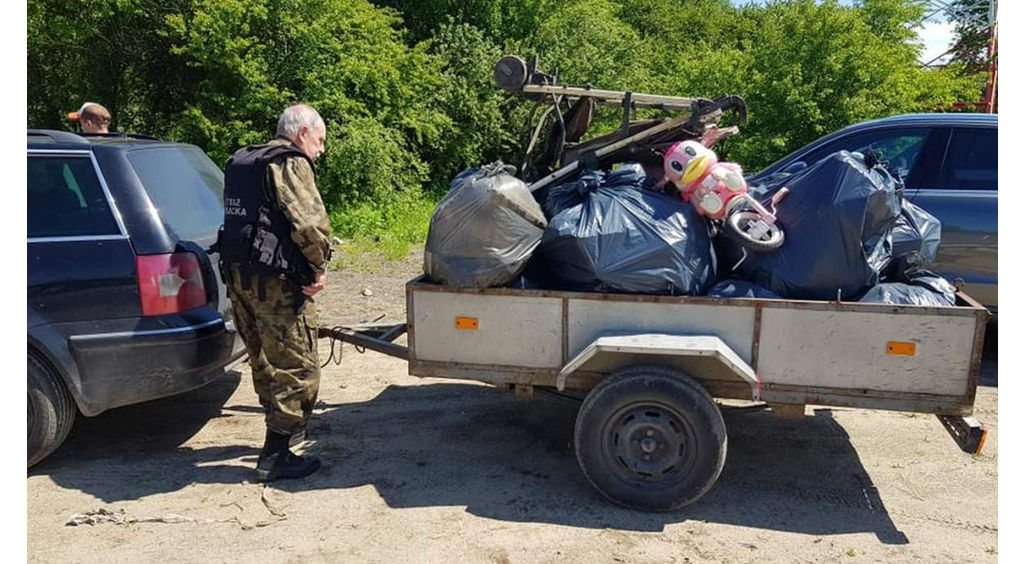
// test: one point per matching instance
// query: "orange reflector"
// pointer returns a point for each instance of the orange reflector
(467, 323)
(981, 442)
(902, 349)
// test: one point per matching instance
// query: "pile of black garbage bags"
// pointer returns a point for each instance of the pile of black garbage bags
(850, 236)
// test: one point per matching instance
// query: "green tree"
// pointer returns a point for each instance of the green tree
(805, 68)
(344, 57)
(970, 33)
(501, 21)
(93, 50)
(893, 21)
(407, 89)
(481, 114)
(817, 67)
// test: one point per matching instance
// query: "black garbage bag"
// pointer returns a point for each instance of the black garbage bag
(535, 276)
(740, 289)
(565, 196)
(915, 240)
(920, 287)
(838, 219)
(929, 279)
(484, 230)
(623, 239)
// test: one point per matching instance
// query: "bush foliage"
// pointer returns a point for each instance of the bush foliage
(405, 86)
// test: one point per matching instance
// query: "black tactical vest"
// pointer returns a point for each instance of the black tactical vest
(256, 235)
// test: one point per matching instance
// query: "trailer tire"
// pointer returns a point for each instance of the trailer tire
(51, 411)
(650, 438)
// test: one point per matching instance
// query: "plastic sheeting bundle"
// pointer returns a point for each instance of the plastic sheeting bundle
(484, 230)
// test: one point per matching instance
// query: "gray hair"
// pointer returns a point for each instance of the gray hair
(294, 117)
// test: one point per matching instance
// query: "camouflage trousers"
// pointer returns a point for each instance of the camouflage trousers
(282, 347)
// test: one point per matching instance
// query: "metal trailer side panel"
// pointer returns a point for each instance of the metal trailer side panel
(825, 353)
(590, 319)
(518, 331)
(849, 350)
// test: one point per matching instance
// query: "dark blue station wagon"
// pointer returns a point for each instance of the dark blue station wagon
(949, 163)
(125, 301)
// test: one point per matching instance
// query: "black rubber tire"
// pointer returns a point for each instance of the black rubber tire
(650, 407)
(735, 231)
(51, 411)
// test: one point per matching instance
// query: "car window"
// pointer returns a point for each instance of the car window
(66, 199)
(900, 151)
(185, 186)
(972, 161)
(900, 147)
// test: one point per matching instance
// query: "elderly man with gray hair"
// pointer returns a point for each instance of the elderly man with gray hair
(274, 250)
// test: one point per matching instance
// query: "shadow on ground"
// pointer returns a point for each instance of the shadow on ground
(475, 446)
(136, 436)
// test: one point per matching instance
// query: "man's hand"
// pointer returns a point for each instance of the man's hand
(315, 287)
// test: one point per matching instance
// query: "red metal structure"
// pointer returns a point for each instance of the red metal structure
(988, 101)
(993, 72)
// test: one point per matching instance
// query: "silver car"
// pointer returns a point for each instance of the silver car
(950, 165)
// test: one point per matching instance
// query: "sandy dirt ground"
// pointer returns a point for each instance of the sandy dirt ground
(425, 470)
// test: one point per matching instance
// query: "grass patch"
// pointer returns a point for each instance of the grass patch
(366, 256)
(388, 231)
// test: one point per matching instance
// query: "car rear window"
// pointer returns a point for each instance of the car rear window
(186, 187)
(972, 162)
(65, 199)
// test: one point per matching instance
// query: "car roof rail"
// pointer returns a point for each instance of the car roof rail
(54, 136)
(121, 135)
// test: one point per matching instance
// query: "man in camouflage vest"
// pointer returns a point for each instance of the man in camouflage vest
(275, 250)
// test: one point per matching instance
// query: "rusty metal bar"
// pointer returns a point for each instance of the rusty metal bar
(410, 317)
(962, 311)
(969, 301)
(358, 339)
(977, 353)
(755, 346)
(867, 399)
(565, 331)
(968, 432)
(394, 332)
(610, 97)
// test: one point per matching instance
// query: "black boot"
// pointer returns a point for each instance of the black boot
(276, 462)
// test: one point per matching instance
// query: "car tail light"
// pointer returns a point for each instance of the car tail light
(170, 283)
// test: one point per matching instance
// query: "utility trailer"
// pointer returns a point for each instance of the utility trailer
(649, 434)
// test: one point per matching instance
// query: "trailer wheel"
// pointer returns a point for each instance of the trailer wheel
(650, 438)
(51, 411)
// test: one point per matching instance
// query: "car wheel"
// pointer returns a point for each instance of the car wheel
(51, 411)
(650, 438)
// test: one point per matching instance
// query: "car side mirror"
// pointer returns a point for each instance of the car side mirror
(794, 167)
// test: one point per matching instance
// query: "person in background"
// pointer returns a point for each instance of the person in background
(92, 118)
